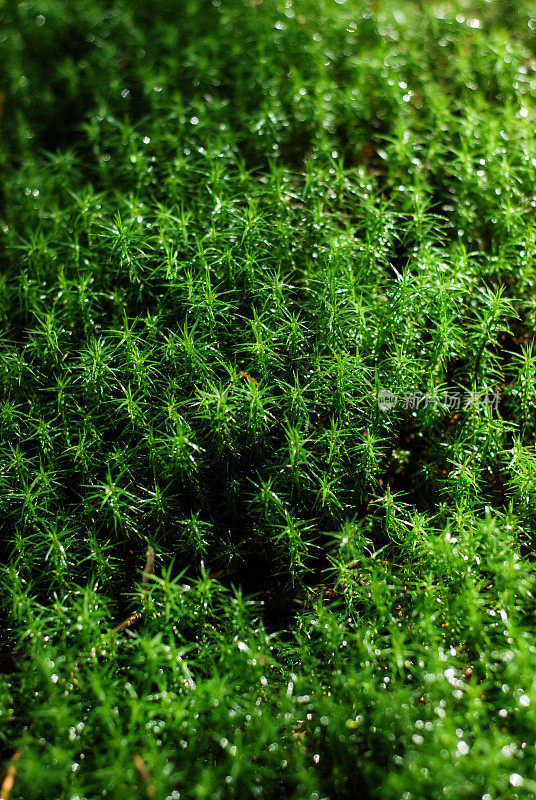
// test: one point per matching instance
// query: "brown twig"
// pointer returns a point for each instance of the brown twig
(9, 777)
(128, 621)
(248, 376)
(148, 569)
(146, 574)
(145, 775)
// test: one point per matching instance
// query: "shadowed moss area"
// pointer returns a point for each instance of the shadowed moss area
(267, 307)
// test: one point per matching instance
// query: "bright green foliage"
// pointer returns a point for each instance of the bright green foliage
(267, 305)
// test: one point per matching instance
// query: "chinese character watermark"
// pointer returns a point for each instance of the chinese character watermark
(452, 400)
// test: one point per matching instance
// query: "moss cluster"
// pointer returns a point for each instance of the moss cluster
(267, 307)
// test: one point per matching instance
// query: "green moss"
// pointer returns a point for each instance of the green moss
(267, 306)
